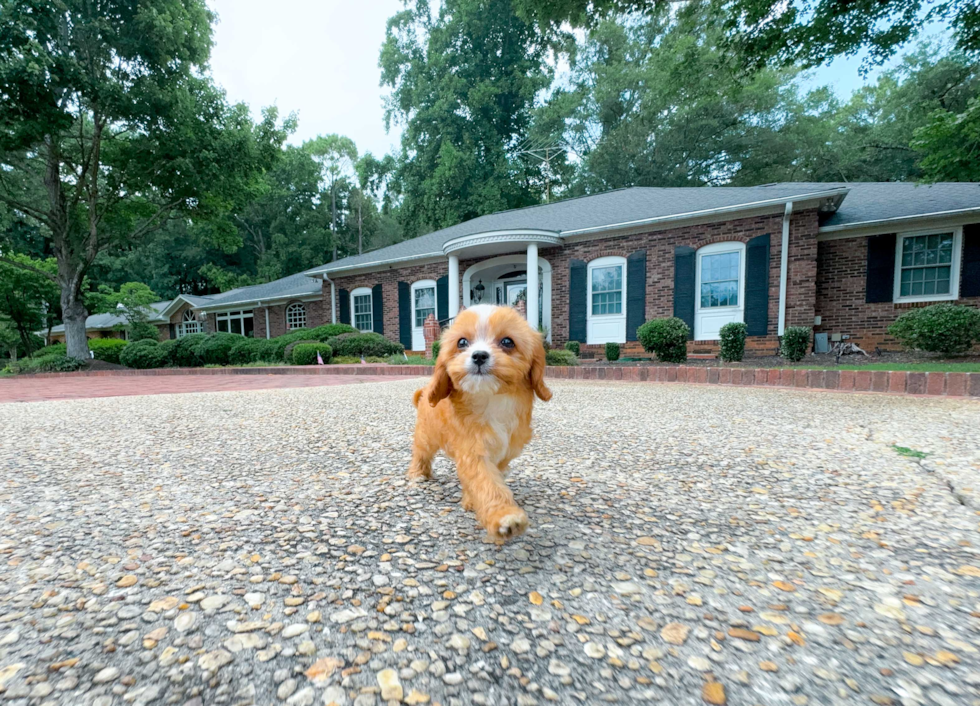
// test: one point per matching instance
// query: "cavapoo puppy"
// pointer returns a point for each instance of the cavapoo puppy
(477, 408)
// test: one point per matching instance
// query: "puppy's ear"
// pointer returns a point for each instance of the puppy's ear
(441, 385)
(537, 371)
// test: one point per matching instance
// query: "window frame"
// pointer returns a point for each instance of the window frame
(954, 267)
(722, 248)
(188, 317)
(602, 263)
(292, 308)
(362, 292)
(425, 284)
(236, 315)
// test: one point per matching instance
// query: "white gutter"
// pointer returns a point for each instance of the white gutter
(784, 267)
(268, 333)
(895, 219)
(228, 306)
(333, 298)
(377, 262)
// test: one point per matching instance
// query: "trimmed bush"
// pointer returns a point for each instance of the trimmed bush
(667, 338)
(183, 351)
(612, 351)
(305, 353)
(145, 354)
(364, 345)
(573, 346)
(436, 347)
(53, 349)
(344, 360)
(733, 341)
(327, 331)
(143, 331)
(214, 348)
(49, 363)
(288, 350)
(942, 328)
(560, 358)
(795, 343)
(107, 349)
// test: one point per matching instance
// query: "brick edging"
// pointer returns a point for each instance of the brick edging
(892, 382)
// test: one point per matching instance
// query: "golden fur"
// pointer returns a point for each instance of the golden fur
(482, 421)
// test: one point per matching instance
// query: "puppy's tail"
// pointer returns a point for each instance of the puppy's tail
(416, 397)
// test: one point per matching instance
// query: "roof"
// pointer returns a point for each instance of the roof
(297, 285)
(112, 319)
(863, 202)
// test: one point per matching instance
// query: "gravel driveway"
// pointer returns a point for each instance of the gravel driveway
(688, 545)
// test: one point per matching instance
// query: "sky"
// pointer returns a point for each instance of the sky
(320, 59)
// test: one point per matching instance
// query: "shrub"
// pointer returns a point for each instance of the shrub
(183, 351)
(145, 354)
(107, 349)
(560, 357)
(53, 349)
(795, 343)
(401, 359)
(305, 353)
(573, 346)
(941, 328)
(612, 351)
(143, 331)
(364, 345)
(436, 347)
(288, 350)
(733, 341)
(48, 363)
(328, 331)
(345, 360)
(667, 338)
(253, 350)
(214, 348)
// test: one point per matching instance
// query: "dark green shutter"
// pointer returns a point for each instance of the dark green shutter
(970, 286)
(173, 332)
(378, 308)
(343, 303)
(578, 300)
(880, 273)
(405, 315)
(757, 286)
(636, 292)
(442, 298)
(684, 283)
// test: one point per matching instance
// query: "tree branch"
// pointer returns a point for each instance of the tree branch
(29, 210)
(28, 268)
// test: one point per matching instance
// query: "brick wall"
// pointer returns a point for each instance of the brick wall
(317, 314)
(840, 302)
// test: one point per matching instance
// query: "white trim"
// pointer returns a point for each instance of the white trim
(236, 315)
(899, 219)
(514, 259)
(453, 287)
(245, 303)
(268, 332)
(423, 284)
(437, 256)
(293, 307)
(532, 285)
(783, 267)
(361, 292)
(954, 271)
(738, 309)
(610, 319)
(547, 237)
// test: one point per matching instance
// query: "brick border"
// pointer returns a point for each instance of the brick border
(883, 381)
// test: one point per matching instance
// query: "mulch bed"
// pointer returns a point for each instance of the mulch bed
(775, 361)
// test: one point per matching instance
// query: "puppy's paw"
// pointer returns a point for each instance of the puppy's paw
(510, 526)
(419, 472)
(467, 503)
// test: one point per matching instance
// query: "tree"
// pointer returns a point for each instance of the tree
(463, 84)
(337, 156)
(9, 338)
(951, 143)
(109, 126)
(28, 297)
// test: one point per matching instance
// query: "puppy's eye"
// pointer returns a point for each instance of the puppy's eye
(507, 342)
(462, 343)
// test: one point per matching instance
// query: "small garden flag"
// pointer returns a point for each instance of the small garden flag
(319, 359)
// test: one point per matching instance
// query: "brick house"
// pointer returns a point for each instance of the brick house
(844, 259)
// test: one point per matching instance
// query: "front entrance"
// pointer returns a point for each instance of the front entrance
(720, 288)
(423, 304)
(503, 280)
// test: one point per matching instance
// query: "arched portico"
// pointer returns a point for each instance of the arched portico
(504, 275)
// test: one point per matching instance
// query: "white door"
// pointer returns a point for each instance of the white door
(423, 304)
(720, 289)
(514, 290)
(607, 301)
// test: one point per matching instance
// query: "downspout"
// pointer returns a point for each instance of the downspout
(784, 266)
(333, 299)
(268, 333)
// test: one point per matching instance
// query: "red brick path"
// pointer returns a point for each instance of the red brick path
(36, 389)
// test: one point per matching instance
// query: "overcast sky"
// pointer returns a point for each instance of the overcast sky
(320, 58)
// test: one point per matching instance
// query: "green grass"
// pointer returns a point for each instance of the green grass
(910, 367)
(911, 453)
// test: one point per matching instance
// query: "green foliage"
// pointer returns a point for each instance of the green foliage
(950, 142)
(612, 351)
(141, 330)
(667, 338)
(560, 358)
(143, 355)
(941, 328)
(215, 348)
(53, 349)
(436, 347)
(909, 452)
(364, 345)
(733, 341)
(107, 349)
(28, 297)
(573, 346)
(305, 353)
(9, 338)
(398, 359)
(50, 363)
(328, 331)
(795, 343)
(254, 350)
(375, 359)
(345, 360)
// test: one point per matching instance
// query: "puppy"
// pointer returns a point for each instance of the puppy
(477, 408)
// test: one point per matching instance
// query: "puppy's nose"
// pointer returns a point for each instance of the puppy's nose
(480, 358)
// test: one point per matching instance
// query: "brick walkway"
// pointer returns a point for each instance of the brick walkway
(34, 389)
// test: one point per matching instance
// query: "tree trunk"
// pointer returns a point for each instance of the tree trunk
(360, 230)
(333, 218)
(73, 311)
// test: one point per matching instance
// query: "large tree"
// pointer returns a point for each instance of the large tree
(109, 126)
(463, 84)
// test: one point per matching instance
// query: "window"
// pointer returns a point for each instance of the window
(188, 325)
(362, 309)
(424, 301)
(296, 316)
(239, 322)
(927, 266)
(607, 290)
(719, 279)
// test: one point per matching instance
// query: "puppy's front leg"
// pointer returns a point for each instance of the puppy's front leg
(491, 499)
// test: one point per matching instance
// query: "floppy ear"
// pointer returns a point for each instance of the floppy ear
(537, 372)
(441, 385)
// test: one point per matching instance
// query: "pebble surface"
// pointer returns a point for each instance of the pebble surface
(688, 545)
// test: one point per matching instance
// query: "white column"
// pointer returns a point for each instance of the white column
(333, 302)
(453, 286)
(532, 284)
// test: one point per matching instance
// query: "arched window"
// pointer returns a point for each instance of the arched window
(296, 315)
(188, 325)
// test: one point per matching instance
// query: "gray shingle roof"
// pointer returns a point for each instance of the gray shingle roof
(297, 285)
(111, 319)
(864, 202)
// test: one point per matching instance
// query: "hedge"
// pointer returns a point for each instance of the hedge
(214, 348)
(364, 345)
(145, 354)
(560, 358)
(305, 353)
(665, 337)
(107, 349)
(48, 363)
(942, 328)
